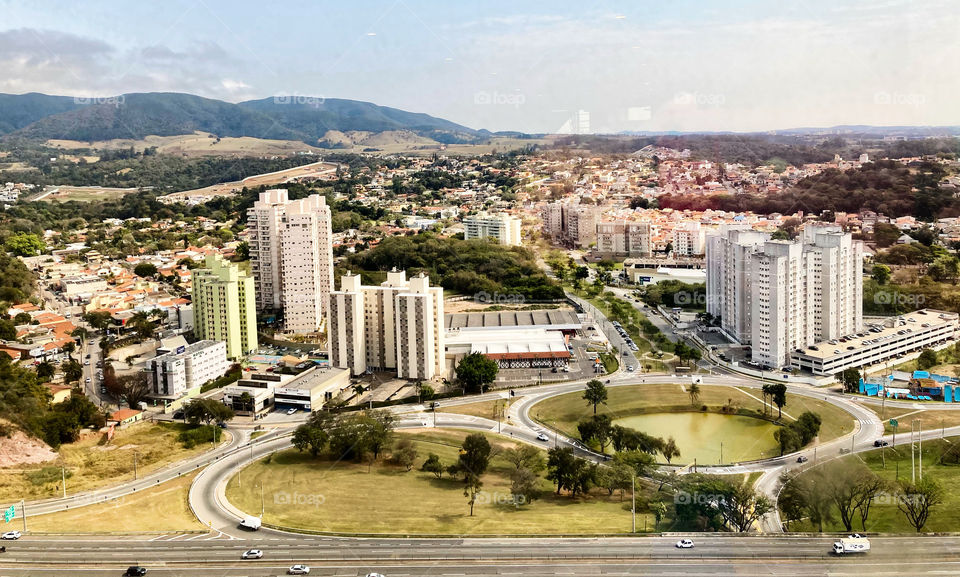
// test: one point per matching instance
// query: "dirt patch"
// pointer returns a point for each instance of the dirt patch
(21, 449)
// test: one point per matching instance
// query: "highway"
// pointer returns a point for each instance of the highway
(718, 554)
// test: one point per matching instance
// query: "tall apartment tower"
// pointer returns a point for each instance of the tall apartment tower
(779, 296)
(306, 263)
(395, 325)
(291, 255)
(224, 306)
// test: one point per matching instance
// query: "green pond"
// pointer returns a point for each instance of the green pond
(699, 435)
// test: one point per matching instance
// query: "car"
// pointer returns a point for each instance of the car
(541, 436)
(252, 554)
(630, 368)
(376, 575)
(135, 571)
(86, 380)
(802, 459)
(86, 363)
(291, 411)
(880, 443)
(684, 544)
(298, 570)
(11, 535)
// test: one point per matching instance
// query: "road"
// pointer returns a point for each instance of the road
(717, 554)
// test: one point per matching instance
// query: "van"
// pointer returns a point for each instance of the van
(251, 522)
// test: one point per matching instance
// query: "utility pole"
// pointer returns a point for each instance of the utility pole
(920, 440)
(913, 466)
(261, 500)
(721, 452)
(63, 480)
(633, 498)
(134, 465)
(23, 513)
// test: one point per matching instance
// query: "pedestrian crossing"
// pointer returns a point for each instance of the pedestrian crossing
(209, 536)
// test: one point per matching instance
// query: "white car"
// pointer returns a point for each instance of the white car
(298, 570)
(684, 544)
(542, 437)
(252, 554)
(291, 411)
(376, 575)
(11, 535)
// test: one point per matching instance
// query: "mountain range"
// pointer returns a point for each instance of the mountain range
(41, 117)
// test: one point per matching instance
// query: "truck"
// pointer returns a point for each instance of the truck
(851, 545)
(250, 522)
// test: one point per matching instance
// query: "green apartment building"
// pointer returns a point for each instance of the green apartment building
(224, 306)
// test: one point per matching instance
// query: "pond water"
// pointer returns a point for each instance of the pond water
(699, 435)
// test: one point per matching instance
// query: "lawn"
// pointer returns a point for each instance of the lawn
(565, 411)
(92, 462)
(929, 418)
(160, 508)
(884, 514)
(321, 494)
(485, 409)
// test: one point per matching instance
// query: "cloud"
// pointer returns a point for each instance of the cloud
(57, 62)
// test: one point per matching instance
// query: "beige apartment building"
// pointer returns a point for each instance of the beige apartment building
(503, 228)
(397, 325)
(291, 255)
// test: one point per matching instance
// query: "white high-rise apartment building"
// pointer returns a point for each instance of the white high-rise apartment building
(688, 239)
(780, 296)
(396, 325)
(291, 254)
(574, 225)
(504, 228)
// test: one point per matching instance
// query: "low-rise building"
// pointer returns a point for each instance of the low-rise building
(307, 389)
(182, 371)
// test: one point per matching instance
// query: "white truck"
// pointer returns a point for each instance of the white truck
(851, 545)
(251, 522)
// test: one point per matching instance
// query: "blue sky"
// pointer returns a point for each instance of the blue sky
(724, 65)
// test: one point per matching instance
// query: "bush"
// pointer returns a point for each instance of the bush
(190, 438)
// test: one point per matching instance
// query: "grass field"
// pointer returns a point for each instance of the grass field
(929, 418)
(884, 514)
(347, 497)
(485, 409)
(161, 508)
(565, 411)
(92, 463)
(86, 194)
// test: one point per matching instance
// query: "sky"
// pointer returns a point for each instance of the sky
(513, 65)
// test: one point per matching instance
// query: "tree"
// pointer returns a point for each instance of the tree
(670, 450)
(72, 371)
(405, 454)
(433, 465)
(694, 392)
(8, 330)
(524, 457)
(25, 244)
(310, 437)
(99, 320)
(641, 462)
(80, 333)
(45, 370)
(424, 391)
(22, 319)
(659, 510)
(524, 486)
(474, 455)
(927, 359)
(778, 391)
(617, 477)
(850, 379)
(595, 394)
(136, 387)
(792, 502)
(880, 273)
(471, 488)
(788, 438)
(206, 411)
(69, 347)
(476, 370)
(145, 270)
(916, 501)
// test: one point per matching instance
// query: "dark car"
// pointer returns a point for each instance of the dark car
(135, 571)
(802, 459)
(880, 443)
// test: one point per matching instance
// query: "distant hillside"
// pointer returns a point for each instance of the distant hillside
(318, 116)
(135, 116)
(19, 110)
